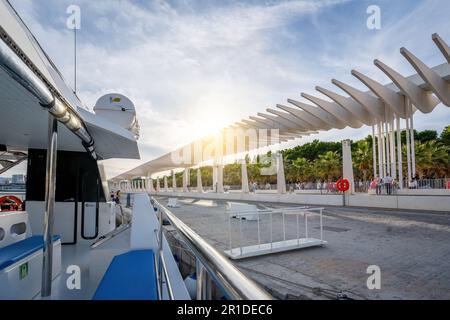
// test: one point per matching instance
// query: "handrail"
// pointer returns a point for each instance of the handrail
(233, 282)
(161, 262)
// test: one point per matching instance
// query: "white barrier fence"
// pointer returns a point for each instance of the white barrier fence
(254, 216)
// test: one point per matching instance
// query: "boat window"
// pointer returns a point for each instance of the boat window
(2, 234)
(18, 229)
(77, 177)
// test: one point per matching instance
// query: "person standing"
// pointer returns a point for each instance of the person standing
(378, 183)
(388, 184)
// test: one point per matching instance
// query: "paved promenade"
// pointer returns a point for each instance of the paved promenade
(412, 249)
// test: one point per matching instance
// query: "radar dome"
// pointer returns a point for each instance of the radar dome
(118, 109)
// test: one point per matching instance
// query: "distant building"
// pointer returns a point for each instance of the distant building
(18, 179)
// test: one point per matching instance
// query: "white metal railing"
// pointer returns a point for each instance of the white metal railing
(293, 211)
(212, 266)
(427, 184)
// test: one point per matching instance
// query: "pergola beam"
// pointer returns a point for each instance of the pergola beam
(440, 87)
(368, 101)
(349, 104)
(424, 100)
(319, 113)
(392, 99)
(341, 114)
(312, 122)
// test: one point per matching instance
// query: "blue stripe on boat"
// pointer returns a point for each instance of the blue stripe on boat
(130, 276)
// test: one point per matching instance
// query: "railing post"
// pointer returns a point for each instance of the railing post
(306, 225)
(204, 288)
(160, 251)
(321, 225)
(50, 186)
(229, 229)
(259, 233)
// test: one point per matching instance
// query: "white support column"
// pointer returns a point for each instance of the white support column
(399, 153)
(281, 180)
(214, 178)
(408, 152)
(413, 149)
(150, 187)
(392, 145)
(166, 184)
(199, 181)
(174, 182)
(347, 164)
(380, 154)
(143, 184)
(158, 187)
(383, 150)
(220, 178)
(374, 153)
(387, 146)
(244, 176)
(185, 180)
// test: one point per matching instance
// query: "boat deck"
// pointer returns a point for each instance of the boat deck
(92, 262)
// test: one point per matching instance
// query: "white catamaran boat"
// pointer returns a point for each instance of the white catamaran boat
(68, 240)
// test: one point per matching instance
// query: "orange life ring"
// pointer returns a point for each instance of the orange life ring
(14, 203)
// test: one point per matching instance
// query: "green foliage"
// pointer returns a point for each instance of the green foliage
(312, 150)
(426, 135)
(432, 159)
(445, 136)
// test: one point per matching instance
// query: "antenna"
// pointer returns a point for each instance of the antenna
(75, 58)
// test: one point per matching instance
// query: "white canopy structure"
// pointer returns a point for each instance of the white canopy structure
(388, 109)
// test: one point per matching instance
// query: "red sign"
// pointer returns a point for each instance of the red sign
(343, 185)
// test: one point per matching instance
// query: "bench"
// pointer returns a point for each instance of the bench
(21, 267)
(130, 276)
(20, 250)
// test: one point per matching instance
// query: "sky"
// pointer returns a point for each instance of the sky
(192, 67)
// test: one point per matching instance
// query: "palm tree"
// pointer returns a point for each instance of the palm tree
(303, 168)
(431, 158)
(363, 158)
(329, 165)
